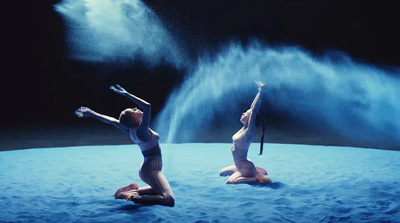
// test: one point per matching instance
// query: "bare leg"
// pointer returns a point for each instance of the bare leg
(237, 178)
(262, 179)
(229, 170)
(127, 195)
(147, 190)
(159, 187)
(159, 191)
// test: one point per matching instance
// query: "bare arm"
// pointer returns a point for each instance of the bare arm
(256, 100)
(143, 130)
(84, 112)
(255, 106)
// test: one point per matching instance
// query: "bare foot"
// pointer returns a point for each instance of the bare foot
(263, 179)
(133, 186)
(127, 195)
(261, 170)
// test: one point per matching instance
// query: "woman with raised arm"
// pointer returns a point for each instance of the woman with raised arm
(244, 171)
(136, 123)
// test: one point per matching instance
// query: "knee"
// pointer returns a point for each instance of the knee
(230, 181)
(169, 200)
(225, 172)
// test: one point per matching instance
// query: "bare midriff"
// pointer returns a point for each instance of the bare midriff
(239, 150)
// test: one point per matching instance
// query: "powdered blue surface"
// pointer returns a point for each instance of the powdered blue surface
(311, 184)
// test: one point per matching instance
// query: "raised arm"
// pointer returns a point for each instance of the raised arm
(84, 112)
(257, 99)
(255, 106)
(143, 130)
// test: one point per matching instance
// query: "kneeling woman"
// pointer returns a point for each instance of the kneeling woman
(136, 123)
(244, 171)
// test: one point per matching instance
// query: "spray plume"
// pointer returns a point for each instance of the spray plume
(358, 100)
(118, 30)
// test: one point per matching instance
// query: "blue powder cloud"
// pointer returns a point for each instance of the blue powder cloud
(358, 100)
(103, 30)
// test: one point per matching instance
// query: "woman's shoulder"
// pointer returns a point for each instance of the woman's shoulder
(151, 136)
(134, 137)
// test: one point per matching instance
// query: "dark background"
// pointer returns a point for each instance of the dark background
(41, 86)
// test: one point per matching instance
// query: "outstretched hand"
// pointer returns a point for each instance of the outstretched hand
(118, 89)
(83, 112)
(260, 85)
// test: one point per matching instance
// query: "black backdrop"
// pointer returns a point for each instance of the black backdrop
(41, 85)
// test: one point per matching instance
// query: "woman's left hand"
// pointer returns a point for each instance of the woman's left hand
(118, 89)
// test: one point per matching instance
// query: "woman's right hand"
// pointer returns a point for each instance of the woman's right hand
(260, 85)
(83, 112)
